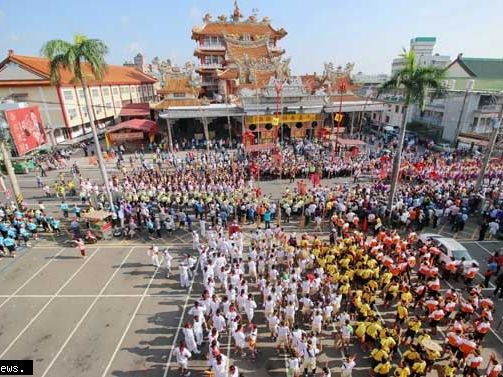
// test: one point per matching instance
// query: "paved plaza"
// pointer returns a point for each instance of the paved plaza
(114, 314)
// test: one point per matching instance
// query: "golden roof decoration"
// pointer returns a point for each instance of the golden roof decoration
(222, 18)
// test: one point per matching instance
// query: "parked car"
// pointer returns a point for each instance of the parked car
(452, 248)
(449, 247)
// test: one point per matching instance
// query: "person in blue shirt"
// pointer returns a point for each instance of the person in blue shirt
(64, 208)
(76, 210)
(10, 244)
(55, 226)
(267, 219)
(33, 228)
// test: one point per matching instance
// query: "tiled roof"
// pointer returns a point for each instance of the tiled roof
(175, 102)
(237, 51)
(202, 51)
(345, 98)
(220, 29)
(311, 82)
(262, 79)
(135, 109)
(114, 75)
(176, 84)
(228, 74)
(482, 68)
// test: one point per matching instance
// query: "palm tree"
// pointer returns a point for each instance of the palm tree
(83, 55)
(415, 81)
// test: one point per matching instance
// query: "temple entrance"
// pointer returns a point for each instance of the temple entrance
(284, 132)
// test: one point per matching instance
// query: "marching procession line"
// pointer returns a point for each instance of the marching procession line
(86, 313)
(47, 304)
(180, 323)
(11, 296)
(130, 322)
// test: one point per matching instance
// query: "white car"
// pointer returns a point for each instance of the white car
(424, 237)
(449, 247)
(452, 248)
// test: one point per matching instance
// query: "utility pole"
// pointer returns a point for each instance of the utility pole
(4, 135)
(496, 123)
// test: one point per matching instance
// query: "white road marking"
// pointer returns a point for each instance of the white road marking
(173, 346)
(130, 322)
(9, 297)
(47, 304)
(485, 248)
(84, 316)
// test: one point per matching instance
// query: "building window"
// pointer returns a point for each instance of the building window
(397, 108)
(68, 94)
(178, 95)
(84, 112)
(109, 105)
(95, 92)
(118, 104)
(115, 90)
(106, 91)
(72, 113)
(81, 93)
(374, 116)
(387, 118)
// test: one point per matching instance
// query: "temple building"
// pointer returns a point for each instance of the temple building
(224, 46)
(242, 88)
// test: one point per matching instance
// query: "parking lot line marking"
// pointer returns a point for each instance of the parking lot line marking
(173, 346)
(86, 313)
(130, 322)
(99, 296)
(9, 297)
(484, 248)
(47, 304)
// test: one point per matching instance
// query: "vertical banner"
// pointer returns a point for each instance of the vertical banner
(26, 128)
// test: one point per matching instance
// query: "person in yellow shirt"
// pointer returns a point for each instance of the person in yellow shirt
(419, 368)
(402, 370)
(378, 355)
(411, 356)
(413, 326)
(401, 312)
(450, 369)
(382, 369)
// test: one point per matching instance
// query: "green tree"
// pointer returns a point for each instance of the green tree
(415, 82)
(84, 59)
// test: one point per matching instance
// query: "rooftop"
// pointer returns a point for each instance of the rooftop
(482, 67)
(424, 39)
(115, 74)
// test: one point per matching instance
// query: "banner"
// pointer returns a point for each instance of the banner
(126, 136)
(275, 120)
(26, 128)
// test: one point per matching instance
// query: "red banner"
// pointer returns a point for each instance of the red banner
(26, 128)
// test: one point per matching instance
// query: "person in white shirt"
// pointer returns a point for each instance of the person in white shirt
(218, 366)
(190, 339)
(283, 337)
(317, 323)
(347, 367)
(167, 261)
(240, 340)
(249, 307)
(197, 326)
(184, 275)
(294, 366)
(233, 371)
(183, 355)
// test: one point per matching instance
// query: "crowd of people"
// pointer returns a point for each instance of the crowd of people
(305, 293)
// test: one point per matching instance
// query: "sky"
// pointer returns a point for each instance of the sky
(367, 32)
